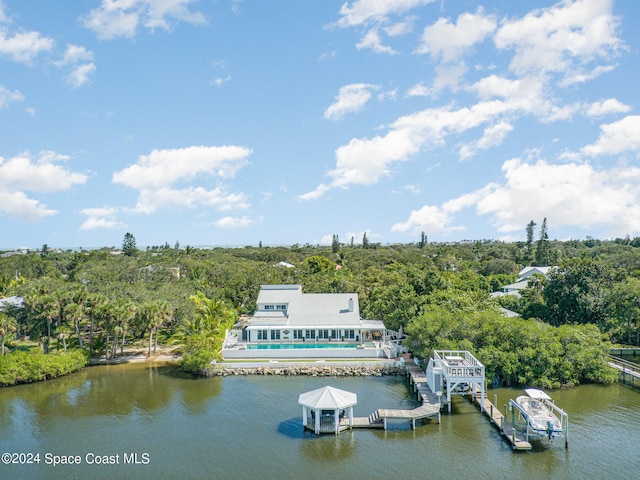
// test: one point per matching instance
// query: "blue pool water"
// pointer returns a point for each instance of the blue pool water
(279, 346)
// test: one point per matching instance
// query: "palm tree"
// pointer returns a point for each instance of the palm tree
(8, 325)
(63, 332)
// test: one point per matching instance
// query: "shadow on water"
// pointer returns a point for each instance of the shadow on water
(293, 428)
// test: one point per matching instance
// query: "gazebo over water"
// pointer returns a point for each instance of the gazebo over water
(324, 409)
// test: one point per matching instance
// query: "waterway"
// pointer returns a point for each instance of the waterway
(175, 426)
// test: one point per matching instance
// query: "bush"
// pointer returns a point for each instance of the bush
(34, 366)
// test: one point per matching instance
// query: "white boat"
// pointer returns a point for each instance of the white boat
(537, 409)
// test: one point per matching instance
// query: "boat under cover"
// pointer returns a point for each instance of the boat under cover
(534, 408)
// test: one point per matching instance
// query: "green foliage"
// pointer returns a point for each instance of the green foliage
(319, 264)
(202, 335)
(515, 351)
(33, 366)
(577, 292)
(100, 296)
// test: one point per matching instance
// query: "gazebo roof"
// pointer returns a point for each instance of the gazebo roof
(328, 398)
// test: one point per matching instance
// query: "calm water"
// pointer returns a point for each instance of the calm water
(251, 427)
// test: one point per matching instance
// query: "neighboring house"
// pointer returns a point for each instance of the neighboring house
(8, 302)
(523, 280)
(290, 323)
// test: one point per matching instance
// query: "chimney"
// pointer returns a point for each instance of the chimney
(351, 304)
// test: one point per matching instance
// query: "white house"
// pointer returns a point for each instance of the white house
(523, 280)
(289, 323)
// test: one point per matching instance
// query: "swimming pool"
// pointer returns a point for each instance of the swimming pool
(285, 346)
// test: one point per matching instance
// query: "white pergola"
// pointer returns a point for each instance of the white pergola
(326, 399)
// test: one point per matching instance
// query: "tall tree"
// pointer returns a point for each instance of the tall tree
(423, 240)
(530, 232)
(542, 252)
(335, 244)
(365, 241)
(129, 245)
(578, 292)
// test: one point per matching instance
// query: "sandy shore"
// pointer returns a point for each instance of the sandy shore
(136, 358)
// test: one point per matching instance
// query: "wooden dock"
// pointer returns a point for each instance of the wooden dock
(629, 371)
(515, 437)
(430, 407)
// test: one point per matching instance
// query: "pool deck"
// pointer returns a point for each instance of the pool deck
(315, 351)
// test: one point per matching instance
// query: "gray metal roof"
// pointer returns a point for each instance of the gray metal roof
(310, 310)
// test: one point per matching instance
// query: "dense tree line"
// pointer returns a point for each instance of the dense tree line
(105, 300)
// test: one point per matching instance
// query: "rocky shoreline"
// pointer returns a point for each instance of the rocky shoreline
(310, 370)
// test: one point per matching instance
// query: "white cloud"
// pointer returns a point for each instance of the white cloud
(150, 200)
(617, 137)
(3, 16)
(449, 42)
(375, 11)
(430, 219)
(400, 28)
(7, 97)
(25, 46)
(350, 99)
(607, 107)
(79, 76)
(18, 205)
(101, 218)
(372, 40)
(493, 136)
(419, 90)
(219, 81)
(78, 60)
(563, 38)
(121, 18)
(155, 175)
(234, 222)
(162, 168)
(327, 56)
(572, 194)
(42, 175)
(568, 194)
(367, 161)
(75, 54)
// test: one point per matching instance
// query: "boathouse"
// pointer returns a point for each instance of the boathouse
(324, 408)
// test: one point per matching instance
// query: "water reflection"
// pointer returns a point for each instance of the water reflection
(328, 448)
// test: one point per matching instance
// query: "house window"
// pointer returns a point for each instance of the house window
(350, 334)
(334, 333)
(281, 307)
(268, 307)
(323, 333)
(262, 335)
(310, 334)
(275, 334)
(297, 334)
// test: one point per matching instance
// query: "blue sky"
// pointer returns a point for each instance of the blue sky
(233, 122)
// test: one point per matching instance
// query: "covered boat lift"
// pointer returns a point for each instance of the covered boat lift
(322, 409)
(456, 372)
